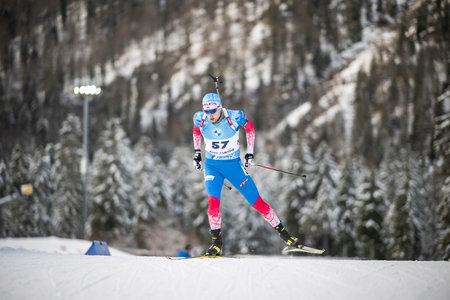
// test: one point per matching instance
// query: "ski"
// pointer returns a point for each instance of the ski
(199, 257)
(304, 249)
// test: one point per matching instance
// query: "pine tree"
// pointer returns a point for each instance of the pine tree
(325, 206)
(6, 217)
(22, 206)
(441, 174)
(346, 197)
(180, 169)
(444, 214)
(424, 208)
(442, 128)
(398, 225)
(154, 194)
(369, 210)
(406, 174)
(295, 192)
(4, 179)
(153, 190)
(42, 197)
(308, 222)
(112, 189)
(68, 179)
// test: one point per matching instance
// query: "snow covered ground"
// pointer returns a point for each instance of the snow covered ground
(31, 269)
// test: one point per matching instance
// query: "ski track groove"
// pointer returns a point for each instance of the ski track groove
(52, 282)
(92, 277)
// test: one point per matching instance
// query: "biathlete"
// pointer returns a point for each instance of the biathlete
(219, 128)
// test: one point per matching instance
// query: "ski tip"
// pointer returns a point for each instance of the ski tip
(305, 249)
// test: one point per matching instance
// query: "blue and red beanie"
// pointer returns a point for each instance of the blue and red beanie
(211, 101)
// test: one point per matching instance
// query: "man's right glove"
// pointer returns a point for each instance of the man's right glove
(249, 160)
(198, 160)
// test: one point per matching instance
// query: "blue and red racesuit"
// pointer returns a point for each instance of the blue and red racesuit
(222, 160)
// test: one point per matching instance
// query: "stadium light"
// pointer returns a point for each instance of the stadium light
(87, 90)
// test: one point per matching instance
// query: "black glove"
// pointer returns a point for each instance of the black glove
(198, 160)
(249, 160)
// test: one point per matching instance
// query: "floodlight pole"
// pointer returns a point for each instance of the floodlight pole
(87, 93)
(86, 163)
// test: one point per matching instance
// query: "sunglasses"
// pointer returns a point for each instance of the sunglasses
(211, 111)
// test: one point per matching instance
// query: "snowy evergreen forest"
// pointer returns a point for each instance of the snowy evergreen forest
(353, 94)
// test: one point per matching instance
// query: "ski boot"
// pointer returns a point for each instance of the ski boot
(290, 240)
(216, 247)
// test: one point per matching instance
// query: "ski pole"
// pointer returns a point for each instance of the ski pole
(217, 80)
(281, 171)
(216, 85)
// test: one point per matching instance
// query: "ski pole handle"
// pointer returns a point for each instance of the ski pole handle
(216, 79)
(213, 77)
(281, 171)
(216, 82)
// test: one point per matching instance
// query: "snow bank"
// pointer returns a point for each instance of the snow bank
(53, 245)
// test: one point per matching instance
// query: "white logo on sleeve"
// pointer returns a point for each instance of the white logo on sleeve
(209, 177)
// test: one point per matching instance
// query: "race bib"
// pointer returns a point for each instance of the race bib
(222, 147)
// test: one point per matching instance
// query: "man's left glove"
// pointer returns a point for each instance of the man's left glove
(198, 160)
(249, 160)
